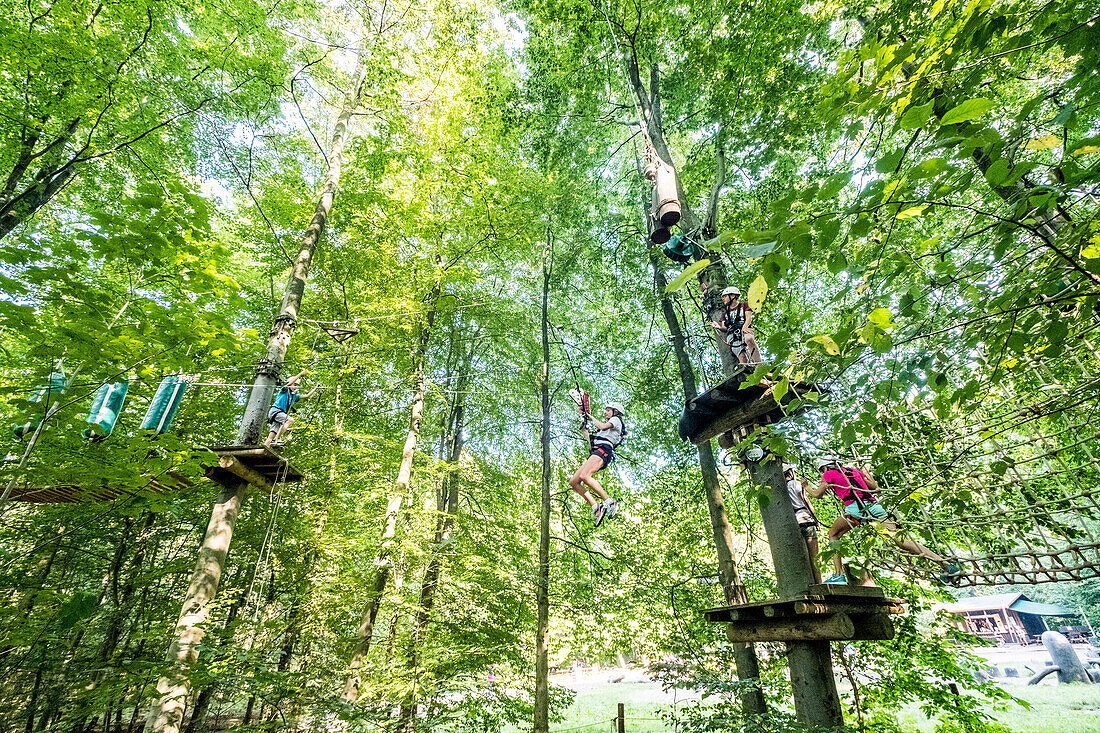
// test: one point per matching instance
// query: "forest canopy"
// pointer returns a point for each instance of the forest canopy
(438, 214)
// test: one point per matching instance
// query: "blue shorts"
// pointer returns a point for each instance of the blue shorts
(872, 510)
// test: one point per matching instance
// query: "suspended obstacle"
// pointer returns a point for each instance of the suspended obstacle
(75, 494)
(1010, 486)
(339, 331)
(55, 386)
(106, 407)
(823, 613)
(258, 465)
(729, 405)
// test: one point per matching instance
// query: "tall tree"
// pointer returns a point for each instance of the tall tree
(166, 715)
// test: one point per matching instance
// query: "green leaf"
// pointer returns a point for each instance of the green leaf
(827, 231)
(997, 173)
(1063, 116)
(759, 250)
(1084, 147)
(912, 212)
(758, 292)
(837, 263)
(1043, 143)
(827, 343)
(915, 117)
(682, 279)
(880, 317)
(801, 246)
(780, 389)
(834, 185)
(968, 110)
(76, 609)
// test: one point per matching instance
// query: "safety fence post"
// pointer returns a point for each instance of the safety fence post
(620, 719)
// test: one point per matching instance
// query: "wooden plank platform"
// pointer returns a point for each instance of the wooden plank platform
(727, 406)
(259, 465)
(75, 494)
(824, 612)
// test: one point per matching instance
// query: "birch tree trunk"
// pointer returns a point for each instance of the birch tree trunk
(167, 711)
(542, 581)
(384, 561)
(748, 667)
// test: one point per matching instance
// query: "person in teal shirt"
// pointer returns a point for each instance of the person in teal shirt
(278, 417)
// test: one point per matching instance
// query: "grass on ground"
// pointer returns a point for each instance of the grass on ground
(1054, 709)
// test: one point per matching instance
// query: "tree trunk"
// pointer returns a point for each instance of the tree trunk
(649, 101)
(542, 581)
(748, 667)
(383, 562)
(166, 713)
(447, 506)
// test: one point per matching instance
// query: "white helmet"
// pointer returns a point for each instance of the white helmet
(617, 407)
(824, 461)
(789, 467)
(732, 290)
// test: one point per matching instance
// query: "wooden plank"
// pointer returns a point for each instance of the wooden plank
(809, 608)
(832, 589)
(835, 627)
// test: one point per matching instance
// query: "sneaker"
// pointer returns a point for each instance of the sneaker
(610, 508)
(597, 515)
(836, 579)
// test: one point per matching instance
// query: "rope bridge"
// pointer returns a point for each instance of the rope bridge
(1002, 475)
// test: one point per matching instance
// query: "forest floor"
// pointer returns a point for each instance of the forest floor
(1054, 708)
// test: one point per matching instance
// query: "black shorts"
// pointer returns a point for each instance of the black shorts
(606, 454)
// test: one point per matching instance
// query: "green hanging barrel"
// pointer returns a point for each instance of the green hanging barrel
(55, 386)
(105, 409)
(166, 402)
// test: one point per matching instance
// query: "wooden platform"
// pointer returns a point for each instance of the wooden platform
(75, 494)
(728, 406)
(260, 466)
(823, 613)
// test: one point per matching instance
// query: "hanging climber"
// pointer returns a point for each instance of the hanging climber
(736, 327)
(601, 452)
(279, 416)
(803, 514)
(853, 488)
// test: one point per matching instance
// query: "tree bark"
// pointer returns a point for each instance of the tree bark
(384, 560)
(649, 101)
(542, 581)
(748, 667)
(166, 713)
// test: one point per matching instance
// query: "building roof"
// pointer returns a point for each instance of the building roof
(1017, 602)
(985, 603)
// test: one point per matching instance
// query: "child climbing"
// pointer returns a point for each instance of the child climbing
(803, 514)
(736, 327)
(601, 452)
(279, 416)
(853, 487)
